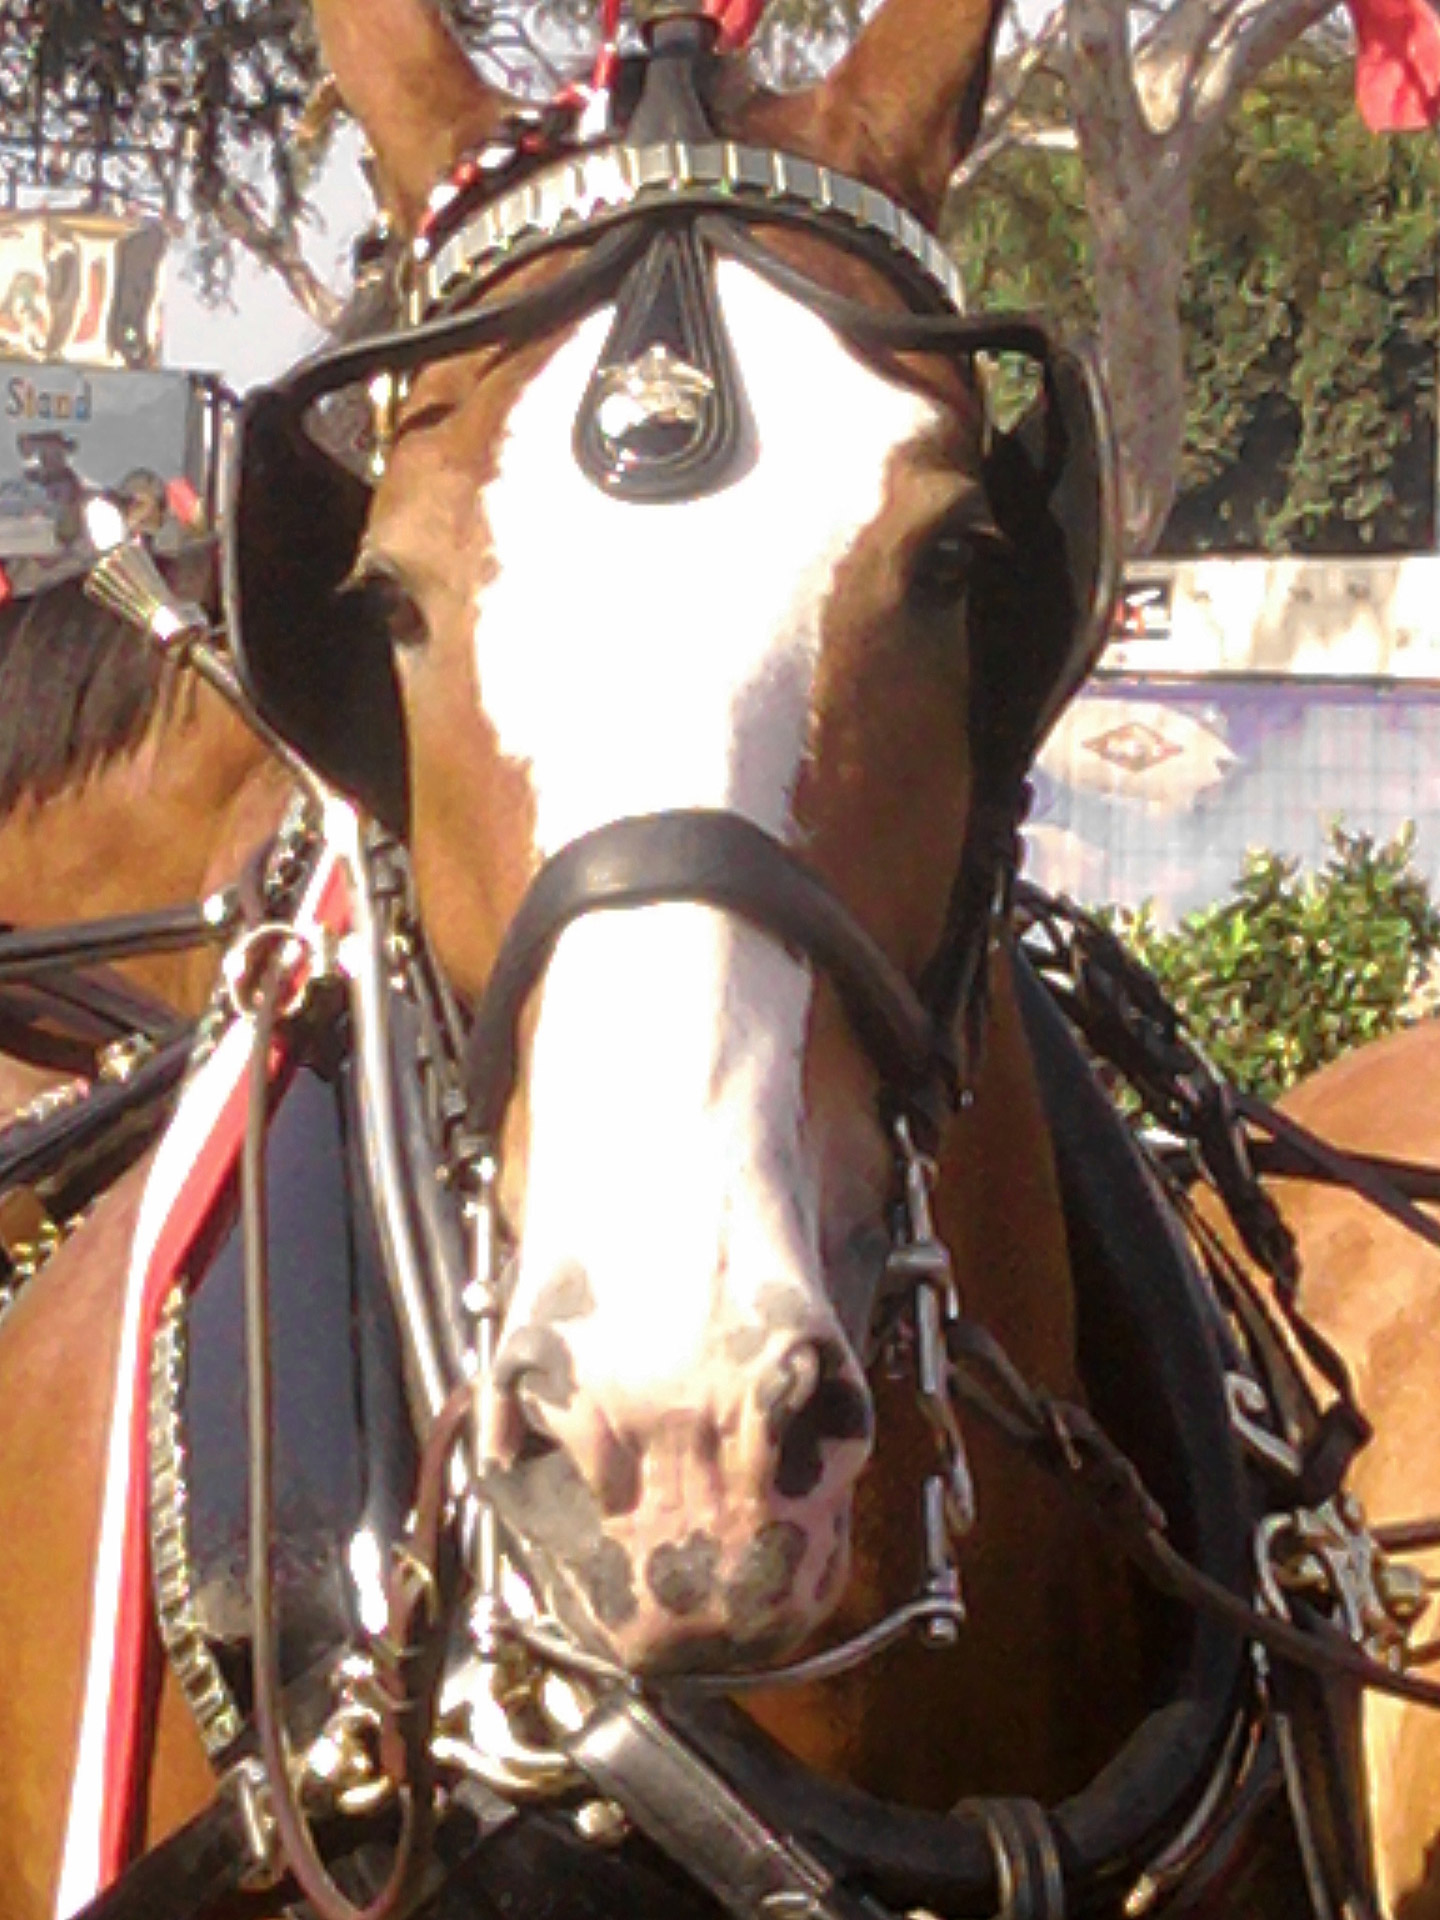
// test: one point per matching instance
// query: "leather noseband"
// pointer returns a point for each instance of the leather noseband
(721, 860)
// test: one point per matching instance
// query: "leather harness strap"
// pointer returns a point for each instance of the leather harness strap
(185, 1875)
(26, 953)
(73, 1154)
(1292, 1151)
(61, 1005)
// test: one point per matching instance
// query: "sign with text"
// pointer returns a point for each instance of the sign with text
(65, 432)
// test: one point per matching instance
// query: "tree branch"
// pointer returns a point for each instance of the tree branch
(239, 214)
(1103, 96)
(999, 133)
(1256, 34)
(1012, 78)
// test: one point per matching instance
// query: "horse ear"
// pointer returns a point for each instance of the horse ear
(411, 85)
(902, 108)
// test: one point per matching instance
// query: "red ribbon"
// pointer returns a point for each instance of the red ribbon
(738, 20)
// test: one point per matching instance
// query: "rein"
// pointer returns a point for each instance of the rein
(63, 1011)
(30, 953)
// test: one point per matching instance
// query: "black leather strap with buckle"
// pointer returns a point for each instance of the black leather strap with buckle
(681, 1803)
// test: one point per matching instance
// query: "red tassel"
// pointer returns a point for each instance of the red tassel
(1397, 67)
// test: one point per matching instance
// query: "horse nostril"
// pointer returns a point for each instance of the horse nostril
(810, 1398)
(539, 1359)
(788, 1385)
(534, 1375)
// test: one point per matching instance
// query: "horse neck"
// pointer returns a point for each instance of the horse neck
(160, 826)
(998, 1204)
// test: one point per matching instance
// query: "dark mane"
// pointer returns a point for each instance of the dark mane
(78, 687)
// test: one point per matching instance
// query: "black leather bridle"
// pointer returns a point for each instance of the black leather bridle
(600, 218)
(723, 861)
(333, 696)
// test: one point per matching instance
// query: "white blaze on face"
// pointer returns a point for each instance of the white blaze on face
(643, 657)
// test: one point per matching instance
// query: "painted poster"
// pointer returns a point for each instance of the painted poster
(1156, 790)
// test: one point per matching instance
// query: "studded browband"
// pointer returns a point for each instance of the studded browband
(462, 248)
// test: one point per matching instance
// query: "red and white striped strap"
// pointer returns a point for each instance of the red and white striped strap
(194, 1161)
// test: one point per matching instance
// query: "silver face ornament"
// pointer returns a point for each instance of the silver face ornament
(656, 389)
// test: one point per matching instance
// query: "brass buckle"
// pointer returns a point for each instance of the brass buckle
(29, 1234)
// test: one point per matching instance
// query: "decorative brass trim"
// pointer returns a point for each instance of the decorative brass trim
(593, 186)
(656, 387)
(205, 1689)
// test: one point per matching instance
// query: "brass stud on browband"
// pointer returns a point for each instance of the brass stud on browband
(386, 390)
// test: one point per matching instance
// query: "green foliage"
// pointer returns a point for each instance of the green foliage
(1295, 969)
(1020, 235)
(1309, 309)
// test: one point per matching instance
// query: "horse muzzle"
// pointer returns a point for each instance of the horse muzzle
(683, 1529)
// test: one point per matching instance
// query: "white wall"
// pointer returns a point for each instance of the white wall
(1331, 618)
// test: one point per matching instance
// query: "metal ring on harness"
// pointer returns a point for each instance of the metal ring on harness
(250, 962)
(1027, 1862)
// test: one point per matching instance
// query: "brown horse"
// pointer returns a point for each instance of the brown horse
(837, 631)
(126, 783)
(1372, 1286)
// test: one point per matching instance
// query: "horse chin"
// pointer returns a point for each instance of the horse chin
(694, 1606)
(652, 1642)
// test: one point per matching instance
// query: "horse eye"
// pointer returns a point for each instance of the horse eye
(944, 569)
(379, 603)
(953, 561)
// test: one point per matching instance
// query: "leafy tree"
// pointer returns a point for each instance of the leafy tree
(1294, 969)
(1149, 89)
(202, 110)
(1309, 305)
(144, 93)
(1310, 308)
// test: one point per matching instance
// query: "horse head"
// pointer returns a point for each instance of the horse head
(696, 609)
